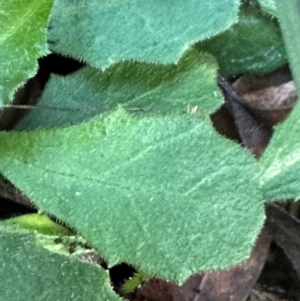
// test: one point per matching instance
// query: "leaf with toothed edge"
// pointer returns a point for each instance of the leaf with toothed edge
(29, 271)
(19, 19)
(37, 222)
(141, 88)
(253, 45)
(102, 33)
(281, 161)
(147, 191)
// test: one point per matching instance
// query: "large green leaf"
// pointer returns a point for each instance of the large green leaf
(166, 194)
(254, 44)
(104, 32)
(141, 88)
(281, 161)
(22, 42)
(30, 272)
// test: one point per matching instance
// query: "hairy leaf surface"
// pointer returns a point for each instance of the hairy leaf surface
(22, 42)
(31, 272)
(141, 88)
(105, 32)
(165, 194)
(254, 44)
(281, 161)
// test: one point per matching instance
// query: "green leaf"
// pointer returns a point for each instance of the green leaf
(141, 88)
(22, 42)
(165, 194)
(38, 222)
(254, 44)
(281, 161)
(31, 272)
(269, 6)
(289, 19)
(105, 32)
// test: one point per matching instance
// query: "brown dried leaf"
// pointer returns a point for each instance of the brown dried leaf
(259, 294)
(285, 230)
(234, 284)
(279, 97)
(254, 135)
(270, 97)
(157, 290)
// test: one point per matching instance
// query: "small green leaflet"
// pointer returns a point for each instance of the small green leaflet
(254, 44)
(22, 41)
(141, 88)
(31, 272)
(165, 194)
(281, 161)
(105, 32)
